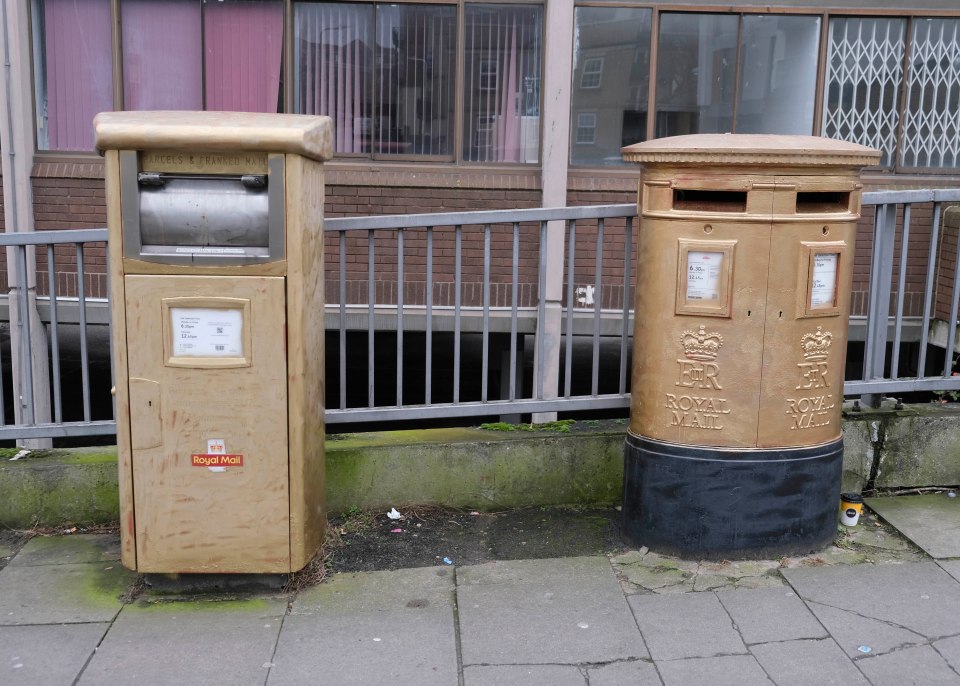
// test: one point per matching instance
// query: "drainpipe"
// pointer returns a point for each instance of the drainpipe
(558, 61)
(28, 340)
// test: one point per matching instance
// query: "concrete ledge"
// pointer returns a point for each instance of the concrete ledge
(57, 486)
(474, 468)
(480, 469)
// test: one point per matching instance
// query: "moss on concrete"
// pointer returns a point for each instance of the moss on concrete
(481, 469)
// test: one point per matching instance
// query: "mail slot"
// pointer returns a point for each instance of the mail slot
(216, 272)
(745, 260)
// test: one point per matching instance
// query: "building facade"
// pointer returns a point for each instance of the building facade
(442, 106)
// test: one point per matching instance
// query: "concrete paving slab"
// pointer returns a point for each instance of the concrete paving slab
(376, 591)
(62, 594)
(635, 673)
(559, 611)
(932, 520)
(687, 625)
(808, 663)
(46, 655)
(189, 642)
(770, 614)
(951, 567)
(920, 597)
(62, 550)
(852, 631)
(727, 670)
(949, 649)
(372, 628)
(919, 666)
(528, 675)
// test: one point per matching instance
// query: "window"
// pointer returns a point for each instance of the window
(864, 78)
(592, 72)
(385, 73)
(73, 66)
(931, 120)
(177, 54)
(615, 40)
(778, 74)
(501, 88)
(586, 132)
(719, 73)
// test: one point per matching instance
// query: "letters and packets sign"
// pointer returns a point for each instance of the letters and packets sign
(823, 289)
(206, 332)
(703, 275)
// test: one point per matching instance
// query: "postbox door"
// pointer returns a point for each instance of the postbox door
(208, 415)
(697, 368)
(808, 306)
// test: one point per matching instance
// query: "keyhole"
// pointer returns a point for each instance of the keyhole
(781, 314)
(748, 312)
(149, 403)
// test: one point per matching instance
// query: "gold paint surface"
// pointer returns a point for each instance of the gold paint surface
(299, 134)
(195, 162)
(766, 370)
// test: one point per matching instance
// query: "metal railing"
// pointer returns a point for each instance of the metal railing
(480, 314)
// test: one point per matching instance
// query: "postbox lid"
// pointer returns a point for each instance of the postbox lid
(751, 149)
(300, 134)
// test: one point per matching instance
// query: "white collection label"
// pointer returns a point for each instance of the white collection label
(206, 332)
(823, 286)
(703, 275)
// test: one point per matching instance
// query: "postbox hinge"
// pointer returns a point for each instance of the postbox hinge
(254, 180)
(150, 179)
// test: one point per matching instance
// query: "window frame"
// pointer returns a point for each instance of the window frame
(287, 76)
(825, 13)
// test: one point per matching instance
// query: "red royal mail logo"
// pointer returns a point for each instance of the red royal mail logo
(214, 460)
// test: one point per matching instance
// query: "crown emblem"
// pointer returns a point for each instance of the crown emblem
(701, 345)
(815, 346)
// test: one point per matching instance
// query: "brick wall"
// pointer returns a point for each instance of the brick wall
(71, 196)
(366, 200)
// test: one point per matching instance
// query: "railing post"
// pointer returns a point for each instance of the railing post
(878, 310)
(28, 344)
(558, 62)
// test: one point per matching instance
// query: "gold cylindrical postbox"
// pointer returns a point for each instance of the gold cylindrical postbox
(216, 282)
(745, 260)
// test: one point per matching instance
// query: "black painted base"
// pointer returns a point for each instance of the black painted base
(717, 503)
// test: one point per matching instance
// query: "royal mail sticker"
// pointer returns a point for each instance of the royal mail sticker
(206, 332)
(216, 460)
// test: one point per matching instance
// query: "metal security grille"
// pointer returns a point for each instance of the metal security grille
(931, 126)
(864, 77)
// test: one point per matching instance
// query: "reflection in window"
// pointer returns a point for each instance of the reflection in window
(698, 88)
(778, 74)
(73, 71)
(611, 66)
(501, 89)
(586, 132)
(931, 126)
(696, 73)
(592, 72)
(384, 73)
(864, 76)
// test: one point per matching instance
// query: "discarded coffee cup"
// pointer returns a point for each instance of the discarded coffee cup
(851, 505)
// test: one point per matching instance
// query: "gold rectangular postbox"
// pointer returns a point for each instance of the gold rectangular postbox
(216, 272)
(745, 260)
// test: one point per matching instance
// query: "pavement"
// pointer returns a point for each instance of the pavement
(873, 609)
